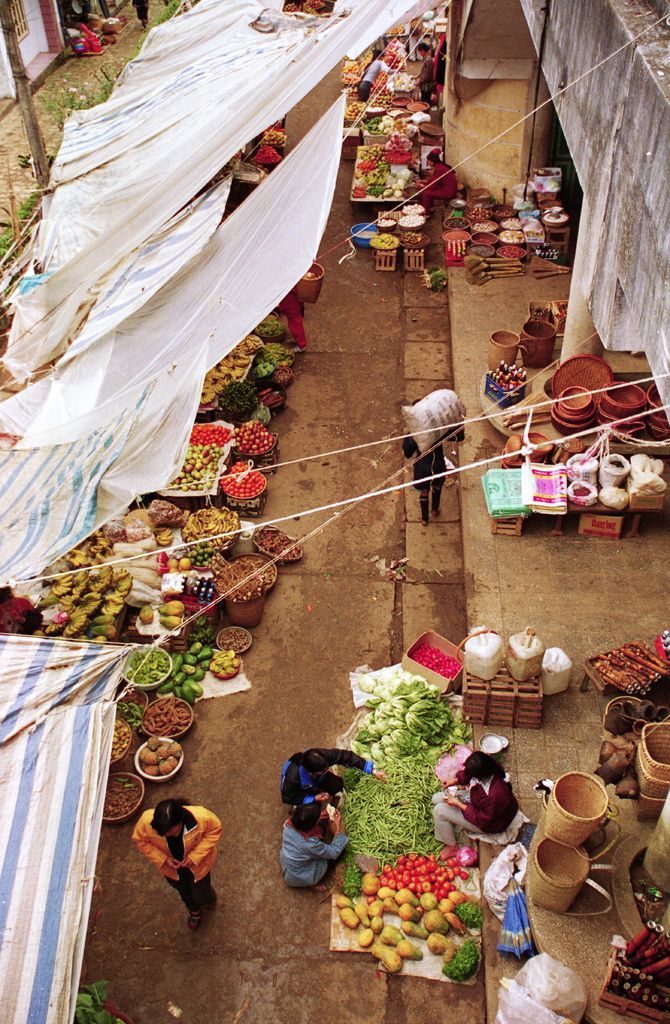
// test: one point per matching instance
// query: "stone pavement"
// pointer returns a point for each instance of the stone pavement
(579, 593)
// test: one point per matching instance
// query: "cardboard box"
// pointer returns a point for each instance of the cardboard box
(434, 640)
(646, 502)
(593, 525)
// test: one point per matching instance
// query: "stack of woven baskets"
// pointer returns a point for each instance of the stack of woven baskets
(652, 763)
(559, 865)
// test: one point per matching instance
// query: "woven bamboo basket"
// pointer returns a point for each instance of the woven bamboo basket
(556, 875)
(576, 807)
(648, 808)
(650, 785)
(654, 750)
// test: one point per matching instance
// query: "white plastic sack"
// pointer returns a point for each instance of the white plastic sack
(510, 863)
(516, 1007)
(646, 475)
(614, 497)
(582, 492)
(613, 470)
(554, 985)
(583, 469)
(435, 413)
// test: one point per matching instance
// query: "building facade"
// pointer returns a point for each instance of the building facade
(40, 39)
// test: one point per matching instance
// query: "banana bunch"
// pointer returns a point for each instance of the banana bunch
(123, 583)
(93, 551)
(163, 536)
(232, 367)
(76, 627)
(92, 600)
(207, 522)
(101, 580)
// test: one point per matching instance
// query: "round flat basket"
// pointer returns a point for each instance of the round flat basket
(278, 543)
(259, 563)
(585, 371)
(159, 708)
(234, 638)
(123, 798)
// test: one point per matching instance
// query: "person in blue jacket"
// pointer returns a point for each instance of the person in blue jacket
(305, 852)
(305, 777)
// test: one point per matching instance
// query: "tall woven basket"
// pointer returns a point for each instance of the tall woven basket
(654, 750)
(556, 875)
(576, 807)
(650, 785)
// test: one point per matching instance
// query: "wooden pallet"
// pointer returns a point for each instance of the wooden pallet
(503, 701)
(385, 259)
(507, 526)
(414, 259)
(629, 1007)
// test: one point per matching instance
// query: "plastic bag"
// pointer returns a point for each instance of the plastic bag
(511, 862)
(434, 413)
(645, 475)
(614, 497)
(136, 530)
(581, 468)
(554, 985)
(516, 1007)
(115, 531)
(164, 513)
(450, 764)
(613, 470)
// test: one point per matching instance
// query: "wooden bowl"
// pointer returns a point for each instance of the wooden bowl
(178, 730)
(138, 785)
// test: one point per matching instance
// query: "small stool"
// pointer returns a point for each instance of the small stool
(557, 237)
(385, 259)
(507, 526)
(414, 259)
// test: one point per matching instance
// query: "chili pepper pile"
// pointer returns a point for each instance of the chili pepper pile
(267, 156)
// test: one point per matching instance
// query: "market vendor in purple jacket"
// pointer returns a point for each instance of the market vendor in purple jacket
(490, 809)
(305, 776)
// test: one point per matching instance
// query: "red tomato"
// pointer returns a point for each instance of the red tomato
(412, 856)
(431, 877)
(420, 861)
(423, 870)
(383, 880)
(402, 860)
(387, 869)
(426, 887)
(392, 883)
(450, 874)
(451, 862)
(463, 875)
(406, 877)
(413, 887)
(448, 887)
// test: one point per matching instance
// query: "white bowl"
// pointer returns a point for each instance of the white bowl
(491, 743)
(158, 778)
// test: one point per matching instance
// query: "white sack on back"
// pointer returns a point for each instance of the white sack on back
(435, 414)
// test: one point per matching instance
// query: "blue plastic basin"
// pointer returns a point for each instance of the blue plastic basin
(356, 233)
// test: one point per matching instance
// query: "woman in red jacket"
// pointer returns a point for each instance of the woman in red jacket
(442, 183)
(294, 311)
(491, 807)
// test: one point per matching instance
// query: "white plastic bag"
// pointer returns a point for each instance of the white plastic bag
(614, 497)
(646, 475)
(434, 413)
(512, 862)
(583, 467)
(516, 1007)
(613, 470)
(554, 985)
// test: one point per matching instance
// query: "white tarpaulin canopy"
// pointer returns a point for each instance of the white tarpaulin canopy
(202, 86)
(56, 729)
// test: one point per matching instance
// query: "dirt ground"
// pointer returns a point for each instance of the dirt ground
(265, 950)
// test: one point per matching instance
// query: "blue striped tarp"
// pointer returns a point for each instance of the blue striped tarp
(56, 729)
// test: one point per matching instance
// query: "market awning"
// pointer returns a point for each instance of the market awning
(56, 728)
(203, 85)
(158, 357)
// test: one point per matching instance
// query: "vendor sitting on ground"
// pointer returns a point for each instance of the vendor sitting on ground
(18, 614)
(305, 776)
(305, 849)
(491, 806)
(441, 185)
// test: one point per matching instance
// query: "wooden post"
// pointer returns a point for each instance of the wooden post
(24, 96)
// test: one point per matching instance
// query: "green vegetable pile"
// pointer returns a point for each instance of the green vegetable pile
(279, 354)
(436, 279)
(203, 631)
(90, 1005)
(384, 820)
(143, 668)
(130, 712)
(238, 399)
(270, 328)
(464, 963)
(188, 671)
(471, 914)
(264, 366)
(351, 881)
(413, 719)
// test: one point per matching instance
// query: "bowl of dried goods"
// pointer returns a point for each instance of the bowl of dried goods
(234, 638)
(168, 716)
(148, 667)
(159, 759)
(277, 544)
(259, 565)
(123, 797)
(121, 742)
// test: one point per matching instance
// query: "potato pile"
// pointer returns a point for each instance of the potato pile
(160, 757)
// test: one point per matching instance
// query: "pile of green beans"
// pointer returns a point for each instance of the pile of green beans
(384, 820)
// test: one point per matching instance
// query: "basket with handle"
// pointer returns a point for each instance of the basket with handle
(575, 808)
(308, 287)
(627, 709)
(650, 785)
(654, 751)
(558, 873)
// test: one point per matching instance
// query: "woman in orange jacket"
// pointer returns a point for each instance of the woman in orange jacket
(180, 840)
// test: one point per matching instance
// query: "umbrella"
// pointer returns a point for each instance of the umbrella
(516, 936)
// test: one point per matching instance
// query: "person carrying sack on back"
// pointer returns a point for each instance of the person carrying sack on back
(428, 453)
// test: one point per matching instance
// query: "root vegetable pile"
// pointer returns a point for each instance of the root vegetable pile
(167, 716)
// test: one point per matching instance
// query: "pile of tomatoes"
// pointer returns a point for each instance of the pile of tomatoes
(238, 485)
(253, 438)
(210, 433)
(423, 874)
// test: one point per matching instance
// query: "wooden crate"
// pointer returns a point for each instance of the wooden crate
(385, 259)
(507, 526)
(629, 1007)
(503, 701)
(175, 642)
(414, 259)
(246, 506)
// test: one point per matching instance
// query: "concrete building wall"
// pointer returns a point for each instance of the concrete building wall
(36, 40)
(617, 125)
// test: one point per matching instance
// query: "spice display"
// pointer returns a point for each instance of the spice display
(489, 226)
(413, 239)
(512, 237)
(512, 224)
(511, 252)
(259, 565)
(276, 543)
(234, 638)
(508, 378)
